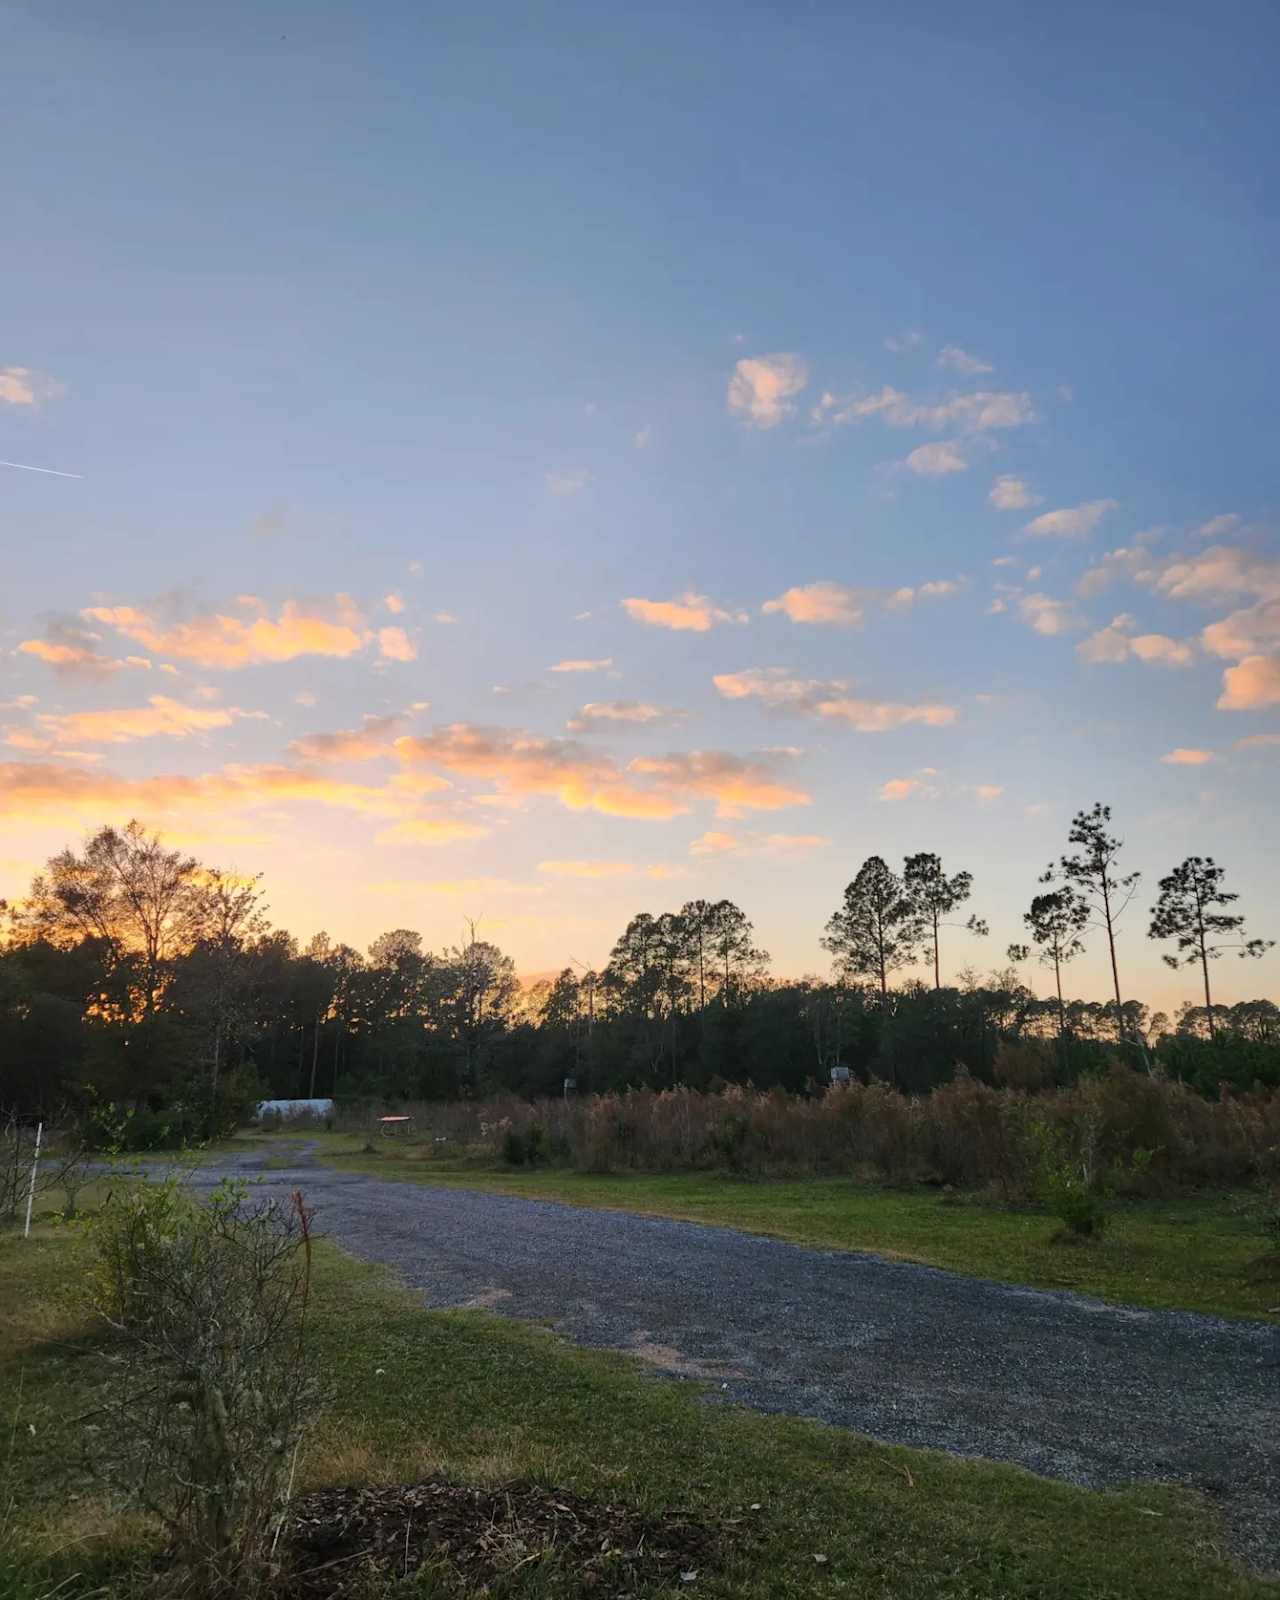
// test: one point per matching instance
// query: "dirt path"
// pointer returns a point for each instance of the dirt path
(1066, 1386)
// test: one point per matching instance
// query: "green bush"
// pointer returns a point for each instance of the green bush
(207, 1387)
(514, 1149)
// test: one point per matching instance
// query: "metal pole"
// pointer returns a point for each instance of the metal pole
(31, 1192)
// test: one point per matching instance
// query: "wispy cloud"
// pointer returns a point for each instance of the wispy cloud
(829, 699)
(647, 787)
(1011, 494)
(229, 641)
(957, 360)
(622, 713)
(839, 605)
(1069, 522)
(159, 718)
(1217, 526)
(583, 664)
(980, 412)
(762, 388)
(1182, 757)
(568, 481)
(73, 652)
(22, 386)
(394, 644)
(1046, 615)
(690, 613)
(1117, 642)
(906, 789)
(937, 460)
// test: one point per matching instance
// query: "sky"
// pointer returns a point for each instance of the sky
(538, 464)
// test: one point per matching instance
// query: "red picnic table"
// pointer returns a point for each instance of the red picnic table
(393, 1125)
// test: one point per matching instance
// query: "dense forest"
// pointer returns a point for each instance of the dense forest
(136, 975)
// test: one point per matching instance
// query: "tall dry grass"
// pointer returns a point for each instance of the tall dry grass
(965, 1133)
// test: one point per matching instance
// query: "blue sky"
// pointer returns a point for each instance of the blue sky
(515, 315)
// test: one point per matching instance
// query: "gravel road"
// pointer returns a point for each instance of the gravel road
(1066, 1386)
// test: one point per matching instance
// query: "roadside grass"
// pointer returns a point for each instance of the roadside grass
(481, 1399)
(1197, 1253)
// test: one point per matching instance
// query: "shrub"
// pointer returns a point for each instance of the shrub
(514, 1149)
(209, 1391)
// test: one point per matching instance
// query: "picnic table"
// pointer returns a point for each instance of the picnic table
(390, 1126)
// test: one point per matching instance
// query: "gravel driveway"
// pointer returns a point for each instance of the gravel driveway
(1066, 1386)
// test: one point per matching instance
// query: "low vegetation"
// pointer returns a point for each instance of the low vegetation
(471, 1410)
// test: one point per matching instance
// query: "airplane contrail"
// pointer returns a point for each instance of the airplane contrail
(51, 471)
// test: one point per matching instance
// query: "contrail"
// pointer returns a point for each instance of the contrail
(52, 471)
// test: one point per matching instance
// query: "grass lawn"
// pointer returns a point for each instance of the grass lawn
(1195, 1254)
(485, 1400)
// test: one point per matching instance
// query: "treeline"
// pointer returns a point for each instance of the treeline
(135, 975)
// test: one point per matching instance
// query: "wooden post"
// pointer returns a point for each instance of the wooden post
(31, 1191)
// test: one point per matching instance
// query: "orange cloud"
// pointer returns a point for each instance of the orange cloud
(394, 644)
(691, 613)
(1251, 685)
(228, 642)
(828, 699)
(33, 791)
(1116, 643)
(393, 603)
(905, 789)
(1187, 758)
(824, 603)
(73, 652)
(762, 388)
(836, 603)
(366, 743)
(1070, 522)
(611, 712)
(20, 386)
(159, 718)
(648, 787)
(1252, 631)
(581, 665)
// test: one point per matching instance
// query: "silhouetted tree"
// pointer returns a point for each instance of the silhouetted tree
(1092, 870)
(877, 929)
(934, 897)
(1056, 920)
(1185, 912)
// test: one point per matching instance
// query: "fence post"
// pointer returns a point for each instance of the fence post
(31, 1191)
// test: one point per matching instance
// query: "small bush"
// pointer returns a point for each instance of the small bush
(514, 1149)
(208, 1391)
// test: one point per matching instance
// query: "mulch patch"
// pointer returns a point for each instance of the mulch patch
(483, 1534)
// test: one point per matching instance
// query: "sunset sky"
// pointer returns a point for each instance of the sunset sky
(543, 463)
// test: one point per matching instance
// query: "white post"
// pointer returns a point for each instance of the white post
(31, 1192)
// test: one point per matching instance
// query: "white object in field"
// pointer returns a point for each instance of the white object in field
(288, 1109)
(839, 1074)
(31, 1192)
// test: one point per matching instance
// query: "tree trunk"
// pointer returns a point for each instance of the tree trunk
(1111, 946)
(937, 980)
(1208, 1003)
(315, 1057)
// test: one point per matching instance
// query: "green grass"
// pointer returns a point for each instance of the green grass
(487, 1400)
(1194, 1254)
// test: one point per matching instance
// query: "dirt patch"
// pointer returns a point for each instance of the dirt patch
(481, 1536)
(669, 1359)
(486, 1299)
